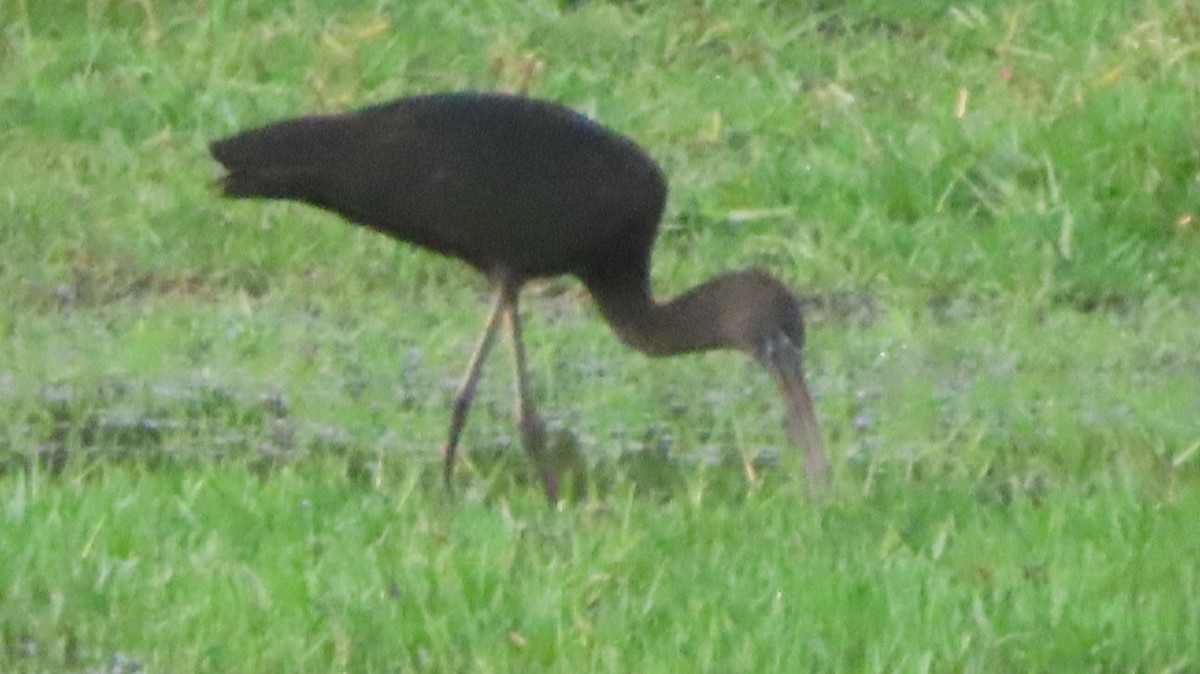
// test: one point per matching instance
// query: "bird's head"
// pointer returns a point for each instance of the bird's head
(762, 317)
(749, 310)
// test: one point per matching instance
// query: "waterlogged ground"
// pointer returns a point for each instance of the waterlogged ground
(133, 387)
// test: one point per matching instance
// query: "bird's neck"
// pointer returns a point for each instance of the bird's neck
(687, 322)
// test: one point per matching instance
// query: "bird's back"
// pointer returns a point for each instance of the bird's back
(496, 180)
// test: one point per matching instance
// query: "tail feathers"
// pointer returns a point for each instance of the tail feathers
(278, 160)
(264, 185)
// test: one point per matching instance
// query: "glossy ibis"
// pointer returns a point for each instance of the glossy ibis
(521, 188)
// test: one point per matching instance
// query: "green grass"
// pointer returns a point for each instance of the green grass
(308, 571)
(219, 421)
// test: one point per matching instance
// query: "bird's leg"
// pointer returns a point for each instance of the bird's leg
(466, 388)
(533, 430)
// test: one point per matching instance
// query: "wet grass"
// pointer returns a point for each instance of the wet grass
(219, 421)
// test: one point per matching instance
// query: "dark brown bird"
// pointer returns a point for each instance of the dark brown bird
(519, 189)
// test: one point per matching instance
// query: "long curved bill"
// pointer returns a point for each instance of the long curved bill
(783, 359)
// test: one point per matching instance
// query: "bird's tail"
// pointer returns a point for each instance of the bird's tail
(280, 160)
